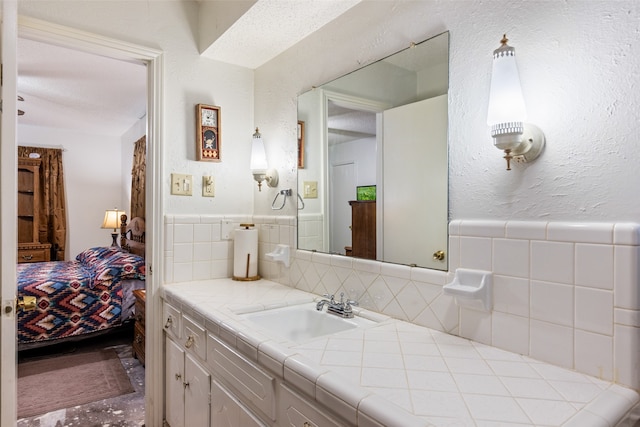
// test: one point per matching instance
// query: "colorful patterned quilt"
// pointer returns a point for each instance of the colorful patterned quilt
(75, 297)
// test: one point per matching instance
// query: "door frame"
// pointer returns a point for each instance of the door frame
(354, 103)
(50, 33)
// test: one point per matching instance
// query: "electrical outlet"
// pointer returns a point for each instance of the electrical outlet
(181, 184)
(310, 189)
(208, 186)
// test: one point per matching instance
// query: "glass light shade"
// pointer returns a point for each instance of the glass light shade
(258, 155)
(506, 103)
(112, 219)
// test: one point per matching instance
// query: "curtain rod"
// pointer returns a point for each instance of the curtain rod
(59, 147)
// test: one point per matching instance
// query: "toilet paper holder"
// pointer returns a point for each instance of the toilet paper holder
(281, 253)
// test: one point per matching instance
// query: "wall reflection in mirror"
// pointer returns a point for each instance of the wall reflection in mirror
(375, 175)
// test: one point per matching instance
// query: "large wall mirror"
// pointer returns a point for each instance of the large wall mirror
(373, 165)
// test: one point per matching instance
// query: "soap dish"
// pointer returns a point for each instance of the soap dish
(471, 288)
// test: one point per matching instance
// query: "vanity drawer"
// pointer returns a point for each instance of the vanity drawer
(194, 337)
(251, 383)
(172, 320)
(294, 410)
(227, 410)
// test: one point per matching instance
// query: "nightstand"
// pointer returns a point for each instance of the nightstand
(138, 328)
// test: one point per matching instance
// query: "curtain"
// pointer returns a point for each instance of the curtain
(53, 216)
(138, 172)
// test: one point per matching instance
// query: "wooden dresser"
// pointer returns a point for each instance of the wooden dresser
(363, 229)
(138, 328)
(30, 248)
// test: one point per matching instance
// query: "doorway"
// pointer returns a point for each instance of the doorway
(63, 36)
(90, 107)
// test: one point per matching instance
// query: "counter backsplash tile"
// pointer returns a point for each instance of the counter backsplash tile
(557, 286)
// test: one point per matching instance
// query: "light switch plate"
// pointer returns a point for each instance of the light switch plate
(181, 184)
(208, 186)
(226, 228)
(310, 189)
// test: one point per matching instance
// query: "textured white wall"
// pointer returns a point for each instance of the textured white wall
(579, 66)
(578, 63)
(172, 27)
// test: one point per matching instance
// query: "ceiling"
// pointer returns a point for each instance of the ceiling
(72, 90)
(68, 89)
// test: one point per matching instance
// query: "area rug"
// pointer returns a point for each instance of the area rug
(66, 381)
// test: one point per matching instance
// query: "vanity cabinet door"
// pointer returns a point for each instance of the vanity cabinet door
(196, 394)
(174, 377)
(227, 411)
(295, 411)
(187, 389)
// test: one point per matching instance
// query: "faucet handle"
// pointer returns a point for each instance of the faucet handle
(352, 302)
(329, 296)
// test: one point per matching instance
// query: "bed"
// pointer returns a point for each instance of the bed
(88, 295)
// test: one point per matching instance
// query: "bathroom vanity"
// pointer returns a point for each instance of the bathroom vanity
(226, 366)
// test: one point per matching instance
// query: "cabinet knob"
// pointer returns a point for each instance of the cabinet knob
(138, 338)
(438, 255)
(190, 341)
(168, 322)
(306, 424)
(185, 385)
(178, 377)
(27, 257)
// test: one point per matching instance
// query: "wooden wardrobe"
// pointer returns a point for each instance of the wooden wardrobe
(363, 229)
(30, 249)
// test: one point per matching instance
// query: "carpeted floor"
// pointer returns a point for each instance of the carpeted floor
(124, 410)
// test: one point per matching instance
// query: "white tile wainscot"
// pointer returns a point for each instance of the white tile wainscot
(564, 293)
(399, 373)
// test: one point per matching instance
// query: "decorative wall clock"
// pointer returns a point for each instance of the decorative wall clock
(208, 133)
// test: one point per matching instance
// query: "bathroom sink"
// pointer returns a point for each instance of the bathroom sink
(303, 322)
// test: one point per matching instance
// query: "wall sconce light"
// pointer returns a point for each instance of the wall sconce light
(521, 142)
(112, 220)
(259, 167)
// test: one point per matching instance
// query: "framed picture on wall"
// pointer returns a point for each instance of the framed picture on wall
(208, 133)
(300, 144)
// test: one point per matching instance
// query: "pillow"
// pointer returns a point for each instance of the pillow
(90, 256)
(111, 263)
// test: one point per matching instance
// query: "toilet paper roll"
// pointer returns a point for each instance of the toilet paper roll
(245, 253)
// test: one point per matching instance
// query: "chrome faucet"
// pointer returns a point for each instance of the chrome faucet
(341, 309)
(323, 302)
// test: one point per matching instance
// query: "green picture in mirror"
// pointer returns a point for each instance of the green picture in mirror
(366, 192)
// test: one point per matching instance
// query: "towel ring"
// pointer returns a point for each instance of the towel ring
(285, 193)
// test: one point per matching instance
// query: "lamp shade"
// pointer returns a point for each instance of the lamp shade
(258, 154)
(506, 103)
(112, 219)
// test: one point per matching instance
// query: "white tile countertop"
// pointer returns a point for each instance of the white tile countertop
(403, 374)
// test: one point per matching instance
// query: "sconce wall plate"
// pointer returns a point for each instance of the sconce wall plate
(521, 147)
(270, 176)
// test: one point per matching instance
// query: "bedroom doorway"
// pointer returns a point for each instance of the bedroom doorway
(73, 39)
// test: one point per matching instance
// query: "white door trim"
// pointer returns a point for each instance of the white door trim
(8, 183)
